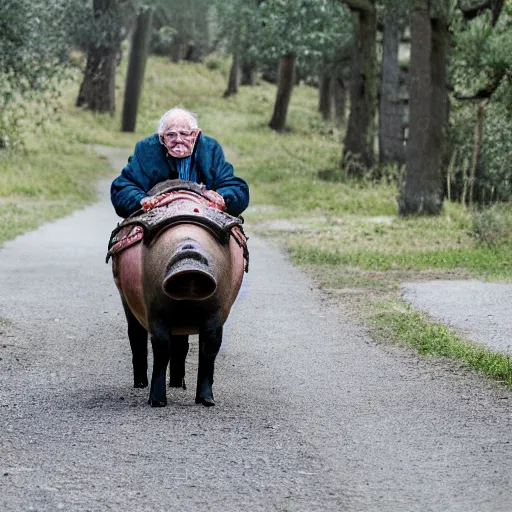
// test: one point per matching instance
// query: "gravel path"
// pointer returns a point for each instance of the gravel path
(311, 415)
(481, 310)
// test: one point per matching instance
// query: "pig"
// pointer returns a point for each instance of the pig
(178, 268)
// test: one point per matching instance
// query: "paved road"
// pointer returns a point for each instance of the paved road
(311, 415)
(480, 310)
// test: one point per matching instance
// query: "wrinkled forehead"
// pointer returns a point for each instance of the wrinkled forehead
(178, 122)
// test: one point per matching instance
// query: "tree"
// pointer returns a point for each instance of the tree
(103, 34)
(239, 24)
(235, 64)
(481, 121)
(325, 103)
(298, 32)
(333, 76)
(422, 191)
(247, 70)
(391, 105)
(284, 92)
(358, 144)
(136, 68)
(183, 32)
(35, 38)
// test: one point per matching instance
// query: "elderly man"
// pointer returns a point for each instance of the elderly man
(178, 150)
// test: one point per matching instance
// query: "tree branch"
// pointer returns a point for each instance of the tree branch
(496, 6)
(486, 92)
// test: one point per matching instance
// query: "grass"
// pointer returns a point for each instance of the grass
(398, 320)
(483, 262)
(347, 235)
(44, 183)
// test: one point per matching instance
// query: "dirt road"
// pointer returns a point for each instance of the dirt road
(311, 415)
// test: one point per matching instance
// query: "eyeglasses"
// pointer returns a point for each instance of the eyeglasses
(180, 134)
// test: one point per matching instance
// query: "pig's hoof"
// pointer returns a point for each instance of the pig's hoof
(157, 403)
(140, 383)
(207, 401)
(177, 383)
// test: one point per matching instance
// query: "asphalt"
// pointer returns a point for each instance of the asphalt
(479, 310)
(311, 414)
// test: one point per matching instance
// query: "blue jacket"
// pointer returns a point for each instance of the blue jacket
(151, 164)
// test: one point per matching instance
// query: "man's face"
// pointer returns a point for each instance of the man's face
(179, 138)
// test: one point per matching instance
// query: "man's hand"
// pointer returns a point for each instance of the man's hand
(214, 198)
(217, 201)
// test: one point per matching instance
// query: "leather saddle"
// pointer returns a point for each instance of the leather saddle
(176, 202)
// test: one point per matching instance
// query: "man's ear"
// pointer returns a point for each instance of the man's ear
(196, 136)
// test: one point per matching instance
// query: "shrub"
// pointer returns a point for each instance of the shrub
(493, 226)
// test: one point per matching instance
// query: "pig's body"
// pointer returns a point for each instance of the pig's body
(182, 280)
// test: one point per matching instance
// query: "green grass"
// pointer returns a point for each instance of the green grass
(45, 181)
(482, 261)
(398, 320)
(389, 243)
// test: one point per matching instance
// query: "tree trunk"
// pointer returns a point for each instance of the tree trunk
(248, 66)
(178, 48)
(332, 96)
(284, 92)
(136, 68)
(325, 99)
(477, 148)
(97, 91)
(235, 67)
(391, 109)
(247, 72)
(358, 146)
(422, 191)
(339, 92)
(233, 76)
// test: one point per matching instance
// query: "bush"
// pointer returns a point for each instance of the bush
(493, 226)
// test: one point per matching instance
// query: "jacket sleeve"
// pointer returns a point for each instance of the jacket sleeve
(234, 190)
(129, 187)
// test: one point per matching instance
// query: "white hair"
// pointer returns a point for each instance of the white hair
(173, 113)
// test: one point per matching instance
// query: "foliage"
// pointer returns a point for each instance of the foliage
(107, 30)
(182, 32)
(481, 53)
(34, 51)
(314, 30)
(239, 19)
(481, 67)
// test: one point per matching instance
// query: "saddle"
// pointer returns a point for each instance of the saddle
(176, 202)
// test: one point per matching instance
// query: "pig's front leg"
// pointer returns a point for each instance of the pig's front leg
(179, 351)
(138, 337)
(161, 352)
(210, 340)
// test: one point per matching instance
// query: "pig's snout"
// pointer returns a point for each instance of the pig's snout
(188, 274)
